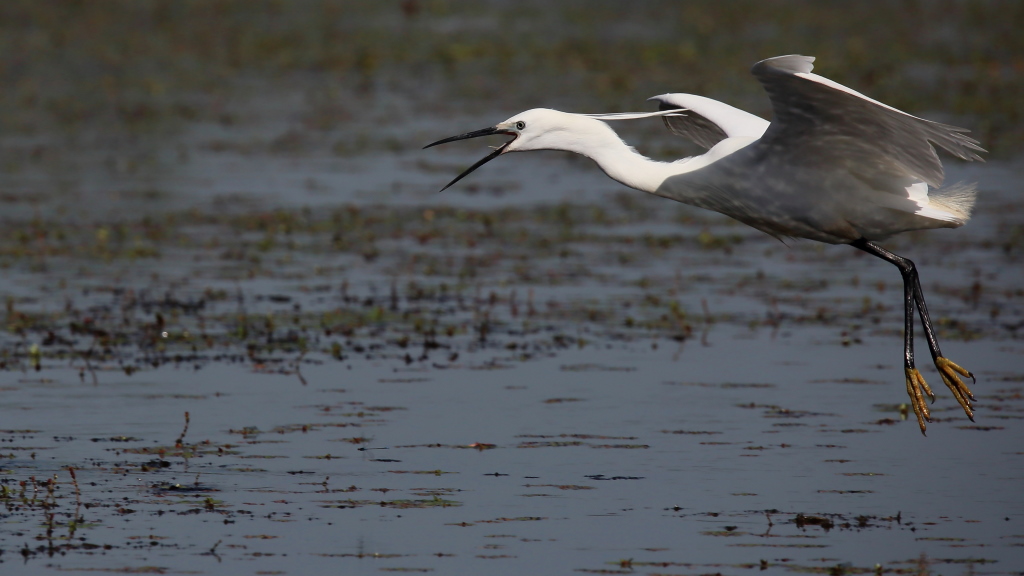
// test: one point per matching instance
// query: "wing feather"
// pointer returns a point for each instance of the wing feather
(811, 111)
(707, 122)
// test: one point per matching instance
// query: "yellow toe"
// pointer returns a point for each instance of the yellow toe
(916, 389)
(951, 373)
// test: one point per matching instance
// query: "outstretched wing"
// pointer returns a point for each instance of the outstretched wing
(827, 120)
(707, 122)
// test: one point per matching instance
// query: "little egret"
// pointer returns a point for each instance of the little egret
(833, 166)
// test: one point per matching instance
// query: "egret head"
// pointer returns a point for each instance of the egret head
(536, 129)
(545, 129)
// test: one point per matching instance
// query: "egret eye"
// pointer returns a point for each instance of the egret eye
(520, 125)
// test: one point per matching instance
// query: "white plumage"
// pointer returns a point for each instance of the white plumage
(833, 165)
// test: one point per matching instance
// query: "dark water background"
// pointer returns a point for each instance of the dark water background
(243, 333)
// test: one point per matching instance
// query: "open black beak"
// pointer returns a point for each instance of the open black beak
(475, 134)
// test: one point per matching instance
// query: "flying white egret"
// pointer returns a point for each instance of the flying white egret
(833, 166)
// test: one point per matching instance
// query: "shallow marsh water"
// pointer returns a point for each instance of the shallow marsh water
(250, 345)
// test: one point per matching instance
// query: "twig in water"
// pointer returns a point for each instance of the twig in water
(298, 372)
(181, 438)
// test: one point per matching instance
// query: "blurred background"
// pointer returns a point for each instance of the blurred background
(137, 66)
(97, 92)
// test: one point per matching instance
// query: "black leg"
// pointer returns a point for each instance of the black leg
(911, 289)
(913, 296)
(926, 321)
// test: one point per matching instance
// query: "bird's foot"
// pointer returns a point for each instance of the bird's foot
(951, 373)
(917, 388)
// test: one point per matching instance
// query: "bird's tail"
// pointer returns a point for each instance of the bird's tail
(956, 199)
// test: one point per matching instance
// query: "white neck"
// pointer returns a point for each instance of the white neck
(597, 141)
(591, 137)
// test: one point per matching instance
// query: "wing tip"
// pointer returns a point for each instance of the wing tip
(790, 64)
(955, 140)
(665, 101)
